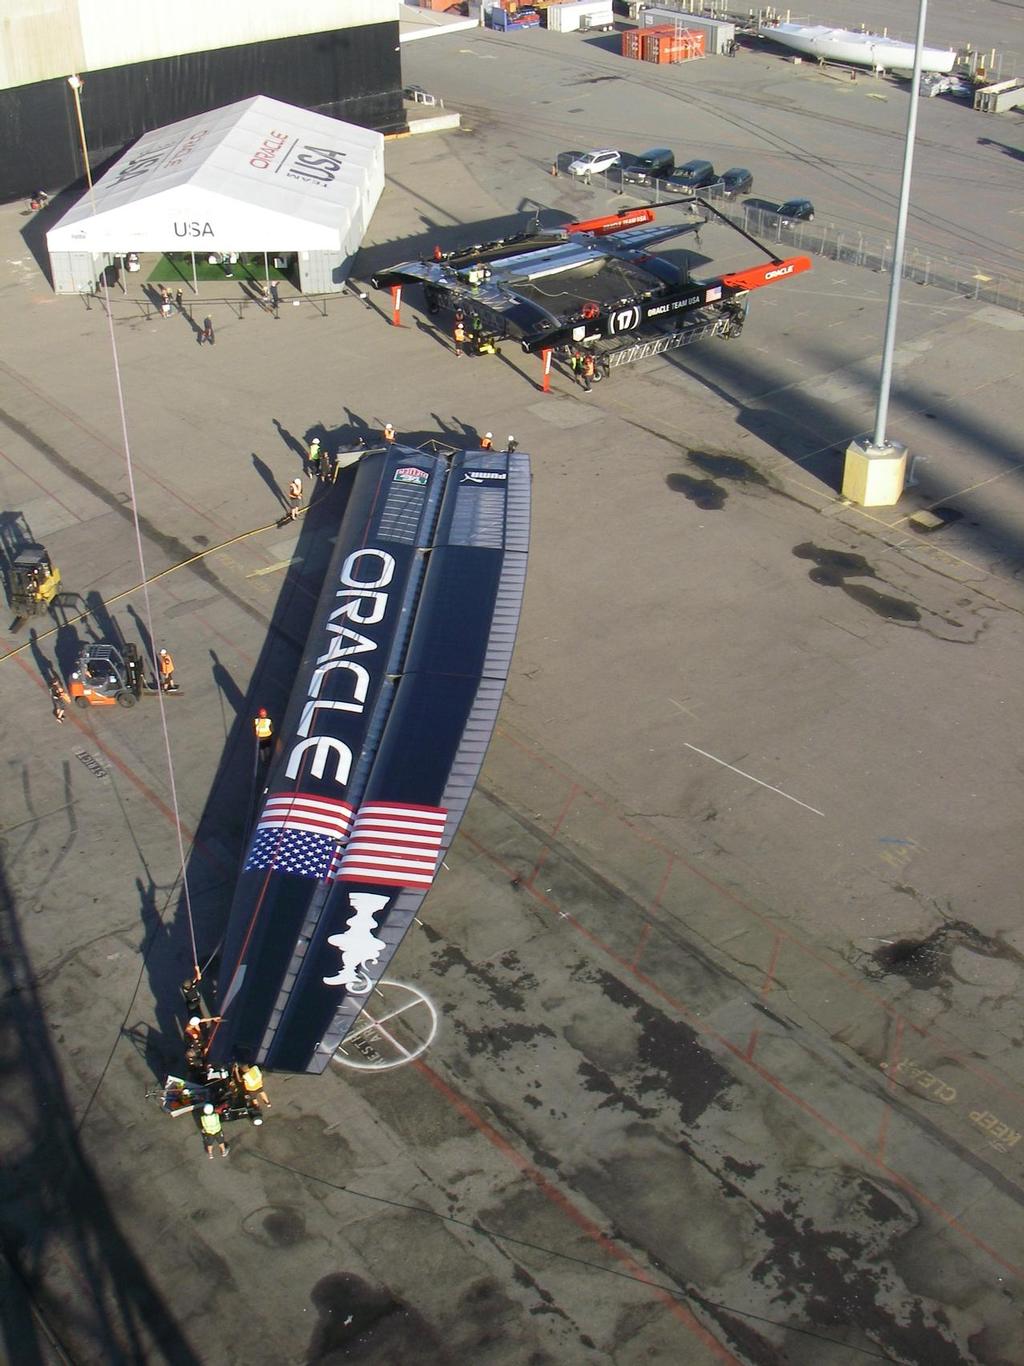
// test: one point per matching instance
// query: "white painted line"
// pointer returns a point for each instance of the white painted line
(410, 1004)
(682, 708)
(753, 779)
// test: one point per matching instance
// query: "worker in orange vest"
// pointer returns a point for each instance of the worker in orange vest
(588, 369)
(166, 671)
(459, 333)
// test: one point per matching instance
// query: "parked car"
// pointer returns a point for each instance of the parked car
(648, 166)
(796, 211)
(675, 184)
(736, 180)
(699, 173)
(593, 163)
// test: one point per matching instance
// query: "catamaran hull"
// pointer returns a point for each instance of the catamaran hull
(856, 49)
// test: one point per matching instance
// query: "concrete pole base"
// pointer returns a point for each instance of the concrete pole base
(873, 476)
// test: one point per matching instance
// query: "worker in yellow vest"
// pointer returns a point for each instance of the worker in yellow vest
(251, 1081)
(213, 1131)
(264, 729)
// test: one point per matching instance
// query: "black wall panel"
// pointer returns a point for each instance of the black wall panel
(353, 74)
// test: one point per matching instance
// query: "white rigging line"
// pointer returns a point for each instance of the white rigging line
(149, 621)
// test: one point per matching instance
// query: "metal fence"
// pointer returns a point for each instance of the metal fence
(921, 265)
(850, 244)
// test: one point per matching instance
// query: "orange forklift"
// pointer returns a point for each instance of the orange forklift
(112, 676)
(106, 676)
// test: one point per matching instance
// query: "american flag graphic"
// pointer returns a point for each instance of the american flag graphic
(393, 843)
(298, 832)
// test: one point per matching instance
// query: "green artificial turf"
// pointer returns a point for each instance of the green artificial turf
(177, 270)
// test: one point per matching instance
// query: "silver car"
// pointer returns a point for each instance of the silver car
(593, 163)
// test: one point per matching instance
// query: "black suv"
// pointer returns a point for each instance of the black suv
(648, 167)
(699, 173)
(736, 180)
(796, 210)
(695, 175)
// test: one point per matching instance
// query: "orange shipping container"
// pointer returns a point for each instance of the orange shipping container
(634, 40)
(678, 45)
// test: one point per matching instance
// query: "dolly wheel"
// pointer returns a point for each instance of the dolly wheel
(126, 699)
(81, 701)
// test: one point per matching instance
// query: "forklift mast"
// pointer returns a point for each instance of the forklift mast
(33, 581)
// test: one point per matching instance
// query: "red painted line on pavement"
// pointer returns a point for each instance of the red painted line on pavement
(913, 1191)
(748, 1052)
(701, 1027)
(150, 796)
(648, 926)
(883, 1132)
(894, 1052)
(663, 883)
(543, 855)
(890, 1083)
(565, 809)
(645, 933)
(538, 865)
(582, 1221)
(117, 449)
(949, 1050)
(773, 962)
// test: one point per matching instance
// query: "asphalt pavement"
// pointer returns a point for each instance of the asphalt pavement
(723, 970)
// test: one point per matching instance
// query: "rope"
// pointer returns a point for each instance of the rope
(148, 613)
(171, 569)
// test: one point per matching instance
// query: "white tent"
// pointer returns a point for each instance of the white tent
(256, 176)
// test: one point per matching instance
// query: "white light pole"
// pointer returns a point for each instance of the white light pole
(875, 470)
(885, 379)
(76, 83)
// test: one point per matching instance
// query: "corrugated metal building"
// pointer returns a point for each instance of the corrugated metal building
(146, 65)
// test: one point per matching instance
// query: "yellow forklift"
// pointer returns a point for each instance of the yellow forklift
(33, 581)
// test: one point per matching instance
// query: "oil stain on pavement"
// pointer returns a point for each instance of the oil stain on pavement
(832, 569)
(706, 492)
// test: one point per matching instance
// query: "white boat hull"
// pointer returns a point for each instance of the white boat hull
(857, 49)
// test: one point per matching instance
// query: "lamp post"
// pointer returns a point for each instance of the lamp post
(885, 378)
(76, 83)
(875, 470)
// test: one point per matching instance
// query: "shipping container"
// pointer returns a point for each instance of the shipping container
(678, 45)
(571, 15)
(719, 34)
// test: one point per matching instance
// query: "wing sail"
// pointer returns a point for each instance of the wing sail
(333, 879)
